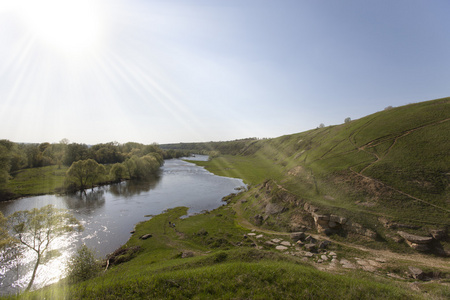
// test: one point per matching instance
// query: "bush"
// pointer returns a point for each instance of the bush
(83, 265)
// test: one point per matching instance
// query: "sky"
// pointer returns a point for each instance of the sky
(96, 71)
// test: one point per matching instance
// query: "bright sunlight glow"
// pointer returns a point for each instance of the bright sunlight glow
(71, 26)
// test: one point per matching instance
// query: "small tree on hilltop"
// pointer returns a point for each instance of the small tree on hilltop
(37, 229)
(347, 120)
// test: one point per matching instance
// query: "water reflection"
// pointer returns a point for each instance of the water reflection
(109, 213)
(131, 188)
(91, 199)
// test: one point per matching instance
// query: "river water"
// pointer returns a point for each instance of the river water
(109, 213)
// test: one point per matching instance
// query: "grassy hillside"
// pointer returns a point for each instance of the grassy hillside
(370, 177)
(393, 166)
(211, 256)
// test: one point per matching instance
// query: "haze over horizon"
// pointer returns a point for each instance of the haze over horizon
(95, 71)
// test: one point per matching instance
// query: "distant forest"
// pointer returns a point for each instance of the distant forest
(124, 161)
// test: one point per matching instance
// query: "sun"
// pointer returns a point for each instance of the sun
(70, 26)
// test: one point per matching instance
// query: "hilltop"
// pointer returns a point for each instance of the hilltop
(387, 173)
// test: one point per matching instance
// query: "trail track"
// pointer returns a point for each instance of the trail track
(412, 259)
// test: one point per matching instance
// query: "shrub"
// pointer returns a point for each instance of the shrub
(83, 265)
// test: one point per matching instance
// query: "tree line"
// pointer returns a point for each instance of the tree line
(86, 163)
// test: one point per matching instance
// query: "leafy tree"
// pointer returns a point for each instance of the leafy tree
(347, 120)
(321, 125)
(5, 238)
(37, 229)
(76, 152)
(85, 173)
(83, 265)
(117, 172)
(4, 166)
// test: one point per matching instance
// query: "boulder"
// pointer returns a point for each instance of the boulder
(297, 236)
(281, 248)
(439, 234)
(338, 219)
(419, 247)
(274, 208)
(310, 239)
(416, 273)
(324, 244)
(310, 208)
(145, 236)
(311, 247)
(416, 239)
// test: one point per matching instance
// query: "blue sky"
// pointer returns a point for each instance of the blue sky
(185, 71)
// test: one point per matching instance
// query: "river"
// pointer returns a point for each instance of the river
(109, 213)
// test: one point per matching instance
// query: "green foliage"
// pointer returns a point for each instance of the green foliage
(85, 173)
(37, 229)
(83, 265)
(118, 172)
(5, 238)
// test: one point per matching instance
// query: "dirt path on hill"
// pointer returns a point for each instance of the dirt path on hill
(413, 259)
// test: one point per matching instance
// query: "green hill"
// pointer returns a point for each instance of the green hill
(363, 186)
(393, 165)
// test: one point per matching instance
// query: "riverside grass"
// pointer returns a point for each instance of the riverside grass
(218, 269)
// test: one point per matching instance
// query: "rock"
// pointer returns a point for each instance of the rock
(145, 236)
(286, 243)
(419, 247)
(133, 231)
(320, 219)
(416, 273)
(276, 241)
(274, 208)
(370, 233)
(324, 244)
(308, 254)
(332, 254)
(332, 224)
(281, 248)
(319, 261)
(324, 257)
(438, 234)
(296, 236)
(310, 239)
(416, 239)
(251, 234)
(269, 243)
(259, 236)
(310, 208)
(311, 247)
(347, 264)
(300, 243)
(338, 219)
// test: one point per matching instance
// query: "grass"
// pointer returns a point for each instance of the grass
(37, 181)
(219, 268)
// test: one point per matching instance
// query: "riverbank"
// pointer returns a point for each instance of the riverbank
(214, 255)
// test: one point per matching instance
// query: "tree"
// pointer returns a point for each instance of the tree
(321, 125)
(37, 229)
(83, 265)
(84, 173)
(347, 120)
(117, 172)
(5, 238)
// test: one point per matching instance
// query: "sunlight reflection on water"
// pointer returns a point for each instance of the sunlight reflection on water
(109, 213)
